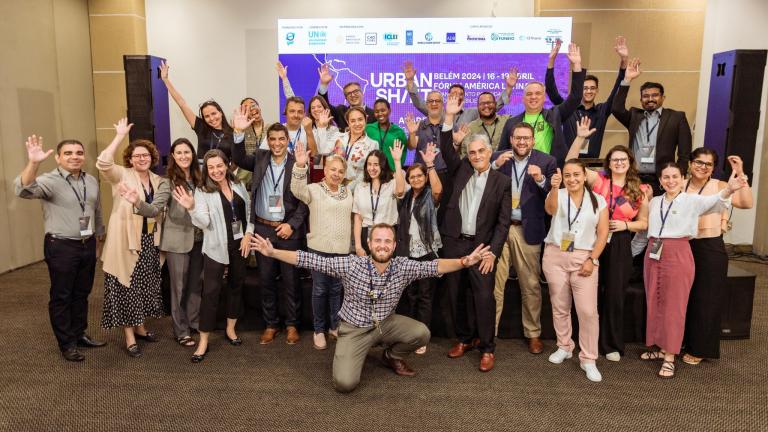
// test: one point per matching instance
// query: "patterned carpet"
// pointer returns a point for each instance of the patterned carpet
(287, 388)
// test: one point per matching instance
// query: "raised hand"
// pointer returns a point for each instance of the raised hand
(262, 245)
(737, 165)
(240, 120)
(282, 71)
(325, 74)
(453, 106)
(511, 78)
(184, 197)
(633, 69)
(582, 128)
(535, 172)
(397, 151)
(408, 70)
(504, 157)
(556, 180)
(35, 151)
(736, 182)
(306, 122)
(477, 255)
(553, 52)
(621, 47)
(323, 119)
(411, 123)
(123, 127)
(129, 194)
(574, 54)
(164, 70)
(458, 135)
(429, 154)
(301, 154)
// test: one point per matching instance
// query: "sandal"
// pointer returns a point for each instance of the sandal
(652, 355)
(186, 341)
(691, 360)
(667, 370)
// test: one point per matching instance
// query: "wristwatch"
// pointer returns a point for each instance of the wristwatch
(595, 261)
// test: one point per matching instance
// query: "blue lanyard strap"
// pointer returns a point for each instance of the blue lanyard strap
(571, 221)
(519, 179)
(664, 214)
(77, 195)
(276, 183)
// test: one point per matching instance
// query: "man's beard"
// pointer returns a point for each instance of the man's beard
(381, 260)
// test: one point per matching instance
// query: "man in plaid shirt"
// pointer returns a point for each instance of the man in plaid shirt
(372, 289)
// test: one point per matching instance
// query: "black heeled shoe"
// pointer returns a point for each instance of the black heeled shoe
(134, 351)
(234, 342)
(149, 337)
(197, 358)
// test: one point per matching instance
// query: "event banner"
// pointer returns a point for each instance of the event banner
(474, 52)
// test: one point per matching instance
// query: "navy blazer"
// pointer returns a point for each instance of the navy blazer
(532, 196)
(494, 214)
(555, 117)
(295, 211)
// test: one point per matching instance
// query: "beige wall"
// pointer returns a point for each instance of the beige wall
(665, 35)
(46, 88)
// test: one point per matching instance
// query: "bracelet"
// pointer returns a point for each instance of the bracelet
(429, 168)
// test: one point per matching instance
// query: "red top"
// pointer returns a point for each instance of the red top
(619, 207)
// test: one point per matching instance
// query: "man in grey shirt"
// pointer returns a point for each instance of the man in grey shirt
(72, 217)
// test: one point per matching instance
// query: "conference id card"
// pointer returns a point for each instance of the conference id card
(515, 199)
(647, 160)
(275, 203)
(655, 252)
(85, 226)
(237, 230)
(150, 225)
(610, 234)
(567, 241)
(584, 147)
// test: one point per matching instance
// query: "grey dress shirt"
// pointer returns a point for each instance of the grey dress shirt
(645, 142)
(469, 202)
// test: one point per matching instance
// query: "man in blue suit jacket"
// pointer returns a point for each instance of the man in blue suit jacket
(529, 171)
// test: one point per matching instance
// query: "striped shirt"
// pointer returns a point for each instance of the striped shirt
(369, 297)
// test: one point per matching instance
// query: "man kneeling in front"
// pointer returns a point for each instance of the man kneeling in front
(372, 288)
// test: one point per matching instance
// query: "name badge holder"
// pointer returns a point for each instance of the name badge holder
(85, 226)
(275, 204)
(518, 181)
(237, 230)
(151, 225)
(584, 147)
(515, 199)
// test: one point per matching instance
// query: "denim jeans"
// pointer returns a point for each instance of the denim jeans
(326, 293)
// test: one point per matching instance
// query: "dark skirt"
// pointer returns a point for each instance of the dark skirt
(129, 306)
(615, 270)
(702, 322)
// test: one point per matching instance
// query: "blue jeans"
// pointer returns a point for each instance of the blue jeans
(326, 292)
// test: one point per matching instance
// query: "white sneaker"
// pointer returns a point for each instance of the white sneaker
(558, 356)
(613, 356)
(592, 373)
(318, 340)
(421, 350)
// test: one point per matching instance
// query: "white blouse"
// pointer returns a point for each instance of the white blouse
(386, 210)
(355, 153)
(682, 221)
(584, 226)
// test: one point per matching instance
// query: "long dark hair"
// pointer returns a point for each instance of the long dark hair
(208, 185)
(386, 173)
(174, 172)
(325, 106)
(224, 123)
(592, 196)
(632, 184)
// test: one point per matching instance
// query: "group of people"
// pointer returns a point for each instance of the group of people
(329, 191)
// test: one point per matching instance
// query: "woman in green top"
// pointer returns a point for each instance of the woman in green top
(384, 132)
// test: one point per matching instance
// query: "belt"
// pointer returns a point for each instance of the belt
(516, 222)
(273, 224)
(467, 237)
(82, 240)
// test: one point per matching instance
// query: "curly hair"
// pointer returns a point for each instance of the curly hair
(147, 144)
(632, 184)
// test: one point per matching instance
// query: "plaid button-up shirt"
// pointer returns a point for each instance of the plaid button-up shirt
(369, 297)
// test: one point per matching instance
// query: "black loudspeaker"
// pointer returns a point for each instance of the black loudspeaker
(148, 103)
(737, 310)
(733, 110)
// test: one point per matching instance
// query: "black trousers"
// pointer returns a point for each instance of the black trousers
(474, 305)
(705, 303)
(71, 266)
(213, 282)
(288, 284)
(416, 302)
(615, 270)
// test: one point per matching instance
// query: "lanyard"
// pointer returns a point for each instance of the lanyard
(232, 204)
(148, 196)
(292, 144)
(79, 201)
(611, 202)
(519, 179)
(383, 138)
(648, 131)
(571, 221)
(491, 135)
(276, 183)
(435, 132)
(700, 190)
(664, 214)
(372, 292)
(218, 139)
(376, 206)
(350, 146)
(536, 123)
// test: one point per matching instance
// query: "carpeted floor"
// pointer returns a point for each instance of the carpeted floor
(287, 388)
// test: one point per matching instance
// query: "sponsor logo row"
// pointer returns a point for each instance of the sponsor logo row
(320, 37)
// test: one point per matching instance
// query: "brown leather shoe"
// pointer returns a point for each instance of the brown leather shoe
(269, 335)
(535, 346)
(292, 335)
(397, 365)
(486, 362)
(459, 349)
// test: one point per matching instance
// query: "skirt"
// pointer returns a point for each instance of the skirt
(129, 306)
(667, 286)
(702, 321)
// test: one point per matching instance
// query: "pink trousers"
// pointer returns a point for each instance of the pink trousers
(566, 286)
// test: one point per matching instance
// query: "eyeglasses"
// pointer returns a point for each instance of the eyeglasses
(522, 138)
(701, 164)
(619, 160)
(434, 101)
(415, 176)
(142, 156)
(351, 92)
(592, 88)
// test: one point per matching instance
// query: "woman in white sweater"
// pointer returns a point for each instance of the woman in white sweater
(222, 209)
(330, 215)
